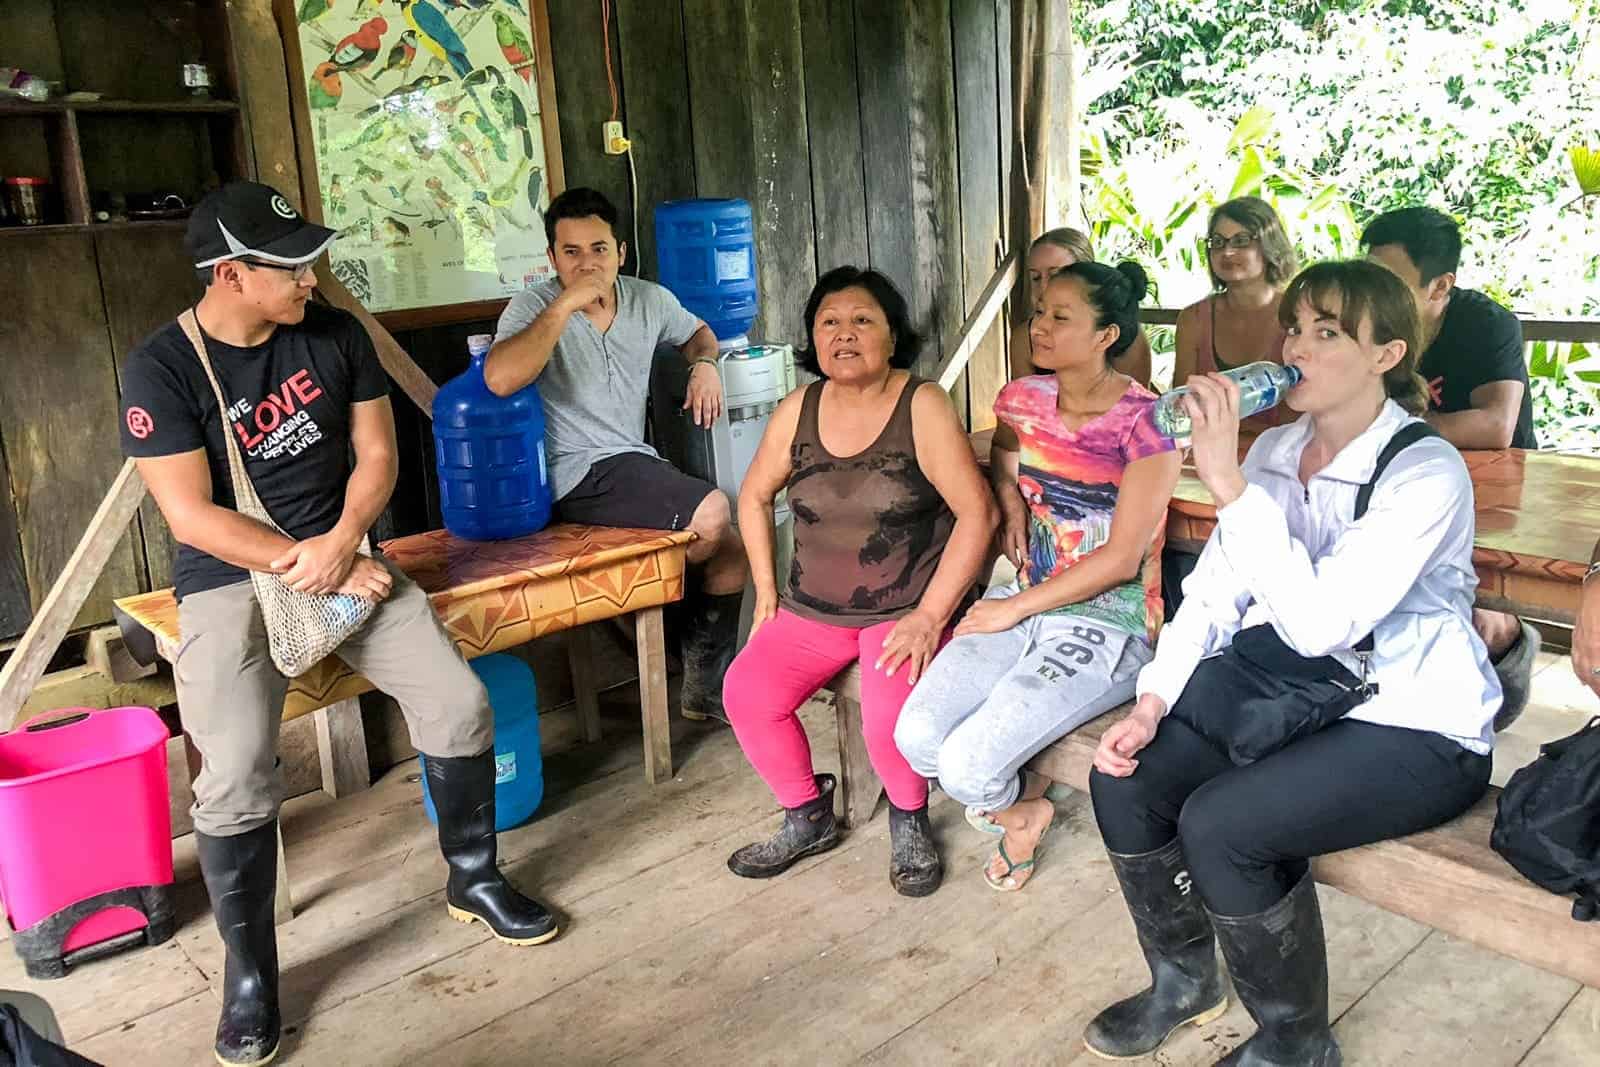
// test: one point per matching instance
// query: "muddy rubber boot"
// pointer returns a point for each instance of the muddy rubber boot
(1279, 963)
(709, 644)
(1175, 934)
(1515, 671)
(807, 830)
(915, 869)
(462, 789)
(241, 876)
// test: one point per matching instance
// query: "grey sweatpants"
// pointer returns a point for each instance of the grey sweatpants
(230, 696)
(989, 702)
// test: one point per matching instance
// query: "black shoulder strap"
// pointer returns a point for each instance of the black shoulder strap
(1404, 438)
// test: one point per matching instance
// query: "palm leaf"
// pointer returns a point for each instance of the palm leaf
(1586, 168)
(1252, 127)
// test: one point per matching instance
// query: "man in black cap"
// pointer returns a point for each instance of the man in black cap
(304, 393)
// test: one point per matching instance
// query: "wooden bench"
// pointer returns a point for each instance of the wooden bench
(492, 596)
(1447, 877)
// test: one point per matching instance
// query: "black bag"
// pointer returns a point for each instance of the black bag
(21, 1045)
(1548, 822)
(1258, 694)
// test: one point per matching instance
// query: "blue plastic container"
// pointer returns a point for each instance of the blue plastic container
(707, 255)
(518, 762)
(493, 480)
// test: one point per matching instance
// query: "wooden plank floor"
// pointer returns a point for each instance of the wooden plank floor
(667, 958)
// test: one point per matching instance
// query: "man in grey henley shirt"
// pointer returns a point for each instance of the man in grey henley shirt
(588, 338)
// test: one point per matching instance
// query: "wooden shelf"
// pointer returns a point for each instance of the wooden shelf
(122, 107)
(92, 227)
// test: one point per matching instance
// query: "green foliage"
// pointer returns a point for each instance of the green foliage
(1337, 110)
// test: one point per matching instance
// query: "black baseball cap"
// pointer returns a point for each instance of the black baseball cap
(248, 220)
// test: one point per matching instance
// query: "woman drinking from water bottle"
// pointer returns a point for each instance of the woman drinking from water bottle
(1322, 686)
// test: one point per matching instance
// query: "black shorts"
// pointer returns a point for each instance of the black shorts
(634, 489)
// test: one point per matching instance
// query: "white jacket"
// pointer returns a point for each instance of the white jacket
(1290, 555)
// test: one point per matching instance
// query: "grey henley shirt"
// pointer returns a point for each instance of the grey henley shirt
(596, 384)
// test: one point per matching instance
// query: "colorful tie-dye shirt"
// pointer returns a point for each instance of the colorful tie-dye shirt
(1069, 481)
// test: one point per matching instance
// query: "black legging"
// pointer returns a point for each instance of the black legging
(1248, 832)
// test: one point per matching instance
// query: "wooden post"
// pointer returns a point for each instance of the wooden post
(580, 658)
(27, 664)
(650, 637)
(1032, 25)
(859, 784)
(1063, 180)
(342, 748)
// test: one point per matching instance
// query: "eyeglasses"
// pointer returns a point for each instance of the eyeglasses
(1238, 242)
(296, 272)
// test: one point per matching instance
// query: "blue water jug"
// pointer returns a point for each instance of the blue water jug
(518, 762)
(707, 255)
(493, 480)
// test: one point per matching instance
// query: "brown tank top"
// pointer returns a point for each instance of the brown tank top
(869, 529)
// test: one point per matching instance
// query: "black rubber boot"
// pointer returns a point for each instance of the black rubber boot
(241, 875)
(709, 643)
(462, 789)
(1279, 963)
(1186, 983)
(915, 869)
(1515, 671)
(807, 830)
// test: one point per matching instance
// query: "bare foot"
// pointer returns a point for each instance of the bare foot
(1033, 787)
(1025, 822)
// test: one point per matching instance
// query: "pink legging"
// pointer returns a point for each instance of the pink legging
(788, 660)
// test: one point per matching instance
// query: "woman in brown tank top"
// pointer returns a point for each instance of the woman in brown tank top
(892, 525)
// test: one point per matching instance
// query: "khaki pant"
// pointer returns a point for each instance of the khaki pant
(230, 696)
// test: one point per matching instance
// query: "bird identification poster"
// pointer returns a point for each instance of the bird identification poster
(425, 119)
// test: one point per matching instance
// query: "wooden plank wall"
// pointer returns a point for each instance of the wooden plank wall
(862, 131)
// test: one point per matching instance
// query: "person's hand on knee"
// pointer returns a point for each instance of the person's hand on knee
(914, 640)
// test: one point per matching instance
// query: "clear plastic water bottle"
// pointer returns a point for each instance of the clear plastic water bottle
(1261, 386)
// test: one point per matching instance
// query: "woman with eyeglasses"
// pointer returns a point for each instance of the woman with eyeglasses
(1051, 253)
(1250, 260)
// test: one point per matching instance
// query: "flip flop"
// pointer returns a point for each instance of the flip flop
(1017, 874)
(979, 820)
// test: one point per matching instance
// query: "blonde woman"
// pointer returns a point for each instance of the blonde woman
(1049, 254)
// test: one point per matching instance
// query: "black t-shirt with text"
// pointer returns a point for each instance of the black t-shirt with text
(289, 405)
(1479, 342)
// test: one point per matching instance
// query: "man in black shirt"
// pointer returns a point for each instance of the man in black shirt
(303, 392)
(1472, 355)
(1476, 369)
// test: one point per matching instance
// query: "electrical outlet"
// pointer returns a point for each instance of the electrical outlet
(615, 143)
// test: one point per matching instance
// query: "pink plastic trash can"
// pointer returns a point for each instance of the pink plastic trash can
(85, 836)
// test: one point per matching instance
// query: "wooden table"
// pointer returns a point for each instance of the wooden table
(496, 595)
(1538, 518)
